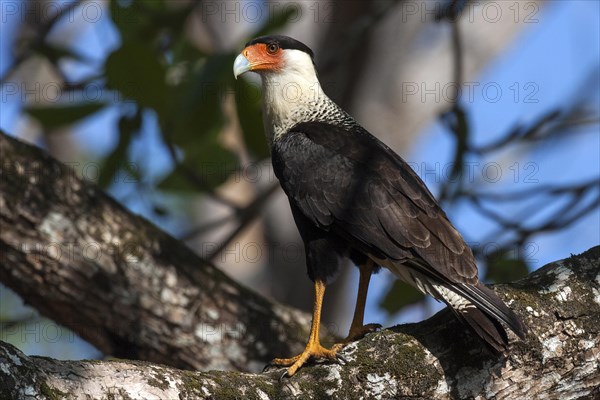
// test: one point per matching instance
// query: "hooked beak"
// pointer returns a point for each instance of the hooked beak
(241, 65)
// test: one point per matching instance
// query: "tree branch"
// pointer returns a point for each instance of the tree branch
(133, 291)
(434, 359)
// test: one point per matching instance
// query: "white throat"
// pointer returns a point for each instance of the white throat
(291, 95)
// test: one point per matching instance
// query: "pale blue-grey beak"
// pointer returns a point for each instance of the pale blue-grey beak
(240, 65)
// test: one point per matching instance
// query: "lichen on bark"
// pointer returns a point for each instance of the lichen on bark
(433, 359)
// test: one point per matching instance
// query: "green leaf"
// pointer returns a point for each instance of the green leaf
(502, 267)
(135, 71)
(128, 19)
(54, 52)
(56, 117)
(210, 163)
(185, 51)
(399, 296)
(148, 20)
(247, 98)
(129, 127)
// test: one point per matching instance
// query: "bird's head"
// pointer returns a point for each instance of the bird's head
(290, 84)
(274, 55)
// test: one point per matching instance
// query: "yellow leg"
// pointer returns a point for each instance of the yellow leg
(357, 329)
(313, 348)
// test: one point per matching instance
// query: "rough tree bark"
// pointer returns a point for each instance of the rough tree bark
(159, 298)
(434, 359)
(133, 291)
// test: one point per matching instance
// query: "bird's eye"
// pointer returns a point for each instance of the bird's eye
(272, 48)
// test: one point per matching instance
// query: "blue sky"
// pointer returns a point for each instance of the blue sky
(556, 57)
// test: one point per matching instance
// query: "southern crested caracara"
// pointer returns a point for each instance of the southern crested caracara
(352, 196)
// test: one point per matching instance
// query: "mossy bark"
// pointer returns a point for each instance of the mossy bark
(434, 359)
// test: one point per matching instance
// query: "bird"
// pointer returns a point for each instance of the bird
(352, 197)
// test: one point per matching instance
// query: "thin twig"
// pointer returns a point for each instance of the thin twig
(247, 215)
(38, 41)
(457, 49)
(192, 176)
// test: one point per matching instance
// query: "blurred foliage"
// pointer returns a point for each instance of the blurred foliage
(158, 70)
(400, 295)
(503, 267)
(136, 72)
(247, 100)
(57, 117)
(129, 127)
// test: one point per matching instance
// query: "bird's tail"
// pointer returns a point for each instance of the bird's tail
(480, 308)
(476, 305)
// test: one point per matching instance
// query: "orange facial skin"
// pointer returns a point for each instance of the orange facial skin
(264, 57)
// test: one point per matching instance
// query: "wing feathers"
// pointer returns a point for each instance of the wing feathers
(349, 182)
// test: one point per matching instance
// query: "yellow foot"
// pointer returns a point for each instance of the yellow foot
(355, 334)
(311, 352)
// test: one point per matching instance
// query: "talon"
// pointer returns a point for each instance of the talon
(266, 368)
(284, 375)
(341, 358)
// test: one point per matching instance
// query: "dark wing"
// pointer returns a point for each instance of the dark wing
(346, 181)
